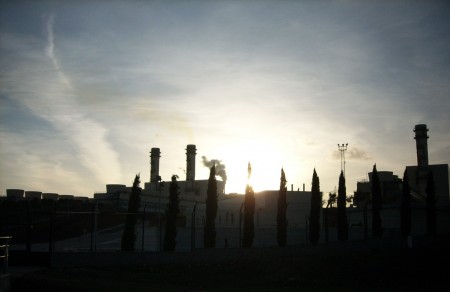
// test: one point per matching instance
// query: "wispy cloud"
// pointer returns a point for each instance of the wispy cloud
(50, 50)
(42, 85)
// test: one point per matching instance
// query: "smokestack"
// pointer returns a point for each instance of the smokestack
(155, 154)
(191, 151)
(421, 145)
(422, 156)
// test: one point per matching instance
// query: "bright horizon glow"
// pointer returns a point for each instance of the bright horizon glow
(88, 88)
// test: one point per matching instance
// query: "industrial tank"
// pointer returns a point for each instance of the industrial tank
(31, 195)
(14, 194)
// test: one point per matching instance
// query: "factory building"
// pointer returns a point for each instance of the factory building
(418, 174)
(154, 199)
(391, 185)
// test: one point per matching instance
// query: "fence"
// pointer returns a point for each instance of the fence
(86, 227)
(4, 248)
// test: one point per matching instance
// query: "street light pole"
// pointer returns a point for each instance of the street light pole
(193, 227)
(160, 186)
(143, 227)
(240, 225)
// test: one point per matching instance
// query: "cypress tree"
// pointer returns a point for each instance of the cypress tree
(211, 210)
(431, 205)
(249, 211)
(342, 225)
(171, 216)
(281, 214)
(405, 207)
(129, 236)
(377, 229)
(316, 206)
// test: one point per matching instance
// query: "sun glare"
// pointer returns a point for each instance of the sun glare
(265, 164)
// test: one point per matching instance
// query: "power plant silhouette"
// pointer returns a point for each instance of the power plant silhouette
(154, 199)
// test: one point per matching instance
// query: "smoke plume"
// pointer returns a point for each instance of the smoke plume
(353, 153)
(220, 168)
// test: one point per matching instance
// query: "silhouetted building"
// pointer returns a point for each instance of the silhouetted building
(390, 185)
(441, 182)
(417, 175)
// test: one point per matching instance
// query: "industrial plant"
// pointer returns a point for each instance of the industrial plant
(192, 198)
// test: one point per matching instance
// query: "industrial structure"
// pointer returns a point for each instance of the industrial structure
(155, 193)
(154, 198)
(391, 185)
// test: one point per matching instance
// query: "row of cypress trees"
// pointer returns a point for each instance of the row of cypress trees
(377, 229)
(129, 238)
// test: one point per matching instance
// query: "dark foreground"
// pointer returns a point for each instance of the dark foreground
(334, 267)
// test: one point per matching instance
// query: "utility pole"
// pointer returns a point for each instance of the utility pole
(159, 186)
(342, 148)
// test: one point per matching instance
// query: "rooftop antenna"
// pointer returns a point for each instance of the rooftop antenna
(342, 148)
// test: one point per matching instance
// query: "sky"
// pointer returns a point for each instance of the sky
(87, 88)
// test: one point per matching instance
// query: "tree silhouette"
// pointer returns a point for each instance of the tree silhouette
(342, 225)
(316, 206)
(377, 229)
(249, 211)
(431, 205)
(171, 216)
(129, 236)
(331, 200)
(211, 210)
(281, 215)
(405, 207)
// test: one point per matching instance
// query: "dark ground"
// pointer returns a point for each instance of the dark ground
(353, 266)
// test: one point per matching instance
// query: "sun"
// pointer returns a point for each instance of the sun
(265, 172)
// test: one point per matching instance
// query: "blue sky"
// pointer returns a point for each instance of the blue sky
(87, 89)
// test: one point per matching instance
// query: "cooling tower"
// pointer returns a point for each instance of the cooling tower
(14, 193)
(30, 195)
(50, 196)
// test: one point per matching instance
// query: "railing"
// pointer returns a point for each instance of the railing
(4, 245)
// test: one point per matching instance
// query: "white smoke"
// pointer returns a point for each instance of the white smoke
(220, 168)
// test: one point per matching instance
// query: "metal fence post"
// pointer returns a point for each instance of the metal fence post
(193, 227)
(28, 239)
(6, 255)
(51, 237)
(143, 227)
(240, 225)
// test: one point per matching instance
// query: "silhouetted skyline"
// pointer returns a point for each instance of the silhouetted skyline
(89, 88)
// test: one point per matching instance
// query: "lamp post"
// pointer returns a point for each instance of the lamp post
(240, 225)
(143, 226)
(193, 227)
(159, 186)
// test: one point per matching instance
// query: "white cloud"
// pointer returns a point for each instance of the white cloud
(42, 85)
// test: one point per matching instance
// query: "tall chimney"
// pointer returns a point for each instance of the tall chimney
(422, 156)
(155, 154)
(191, 151)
